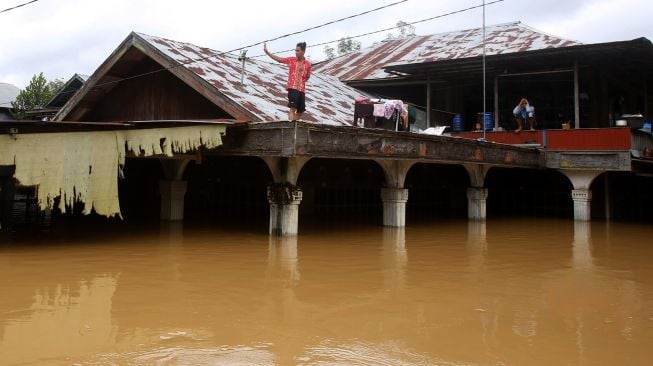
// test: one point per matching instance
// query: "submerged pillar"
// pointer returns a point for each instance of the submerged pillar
(172, 199)
(477, 203)
(582, 204)
(394, 206)
(581, 180)
(284, 195)
(395, 196)
(173, 189)
(284, 199)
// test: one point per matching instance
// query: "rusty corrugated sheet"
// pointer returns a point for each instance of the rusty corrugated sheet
(328, 100)
(368, 63)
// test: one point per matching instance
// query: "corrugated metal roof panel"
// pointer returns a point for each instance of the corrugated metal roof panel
(368, 63)
(8, 94)
(328, 100)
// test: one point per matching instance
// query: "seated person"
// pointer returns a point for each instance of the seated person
(524, 112)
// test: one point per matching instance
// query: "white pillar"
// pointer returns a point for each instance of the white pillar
(582, 204)
(394, 206)
(172, 199)
(476, 203)
(284, 199)
(581, 180)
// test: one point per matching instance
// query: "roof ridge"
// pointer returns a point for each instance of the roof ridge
(216, 52)
(533, 29)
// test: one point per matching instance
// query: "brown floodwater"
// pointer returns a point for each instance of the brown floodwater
(513, 292)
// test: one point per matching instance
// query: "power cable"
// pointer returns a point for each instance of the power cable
(240, 48)
(392, 28)
(18, 6)
(180, 64)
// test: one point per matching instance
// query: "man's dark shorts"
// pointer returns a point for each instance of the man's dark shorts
(297, 99)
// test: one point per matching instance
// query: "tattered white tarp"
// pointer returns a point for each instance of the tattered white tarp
(85, 166)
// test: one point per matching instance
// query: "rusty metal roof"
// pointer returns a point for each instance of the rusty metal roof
(368, 63)
(263, 94)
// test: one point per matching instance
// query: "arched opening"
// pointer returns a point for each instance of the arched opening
(228, 189)
(138, 191)
(436, 190)
(527, 192)
(341, 190)
(622, 196)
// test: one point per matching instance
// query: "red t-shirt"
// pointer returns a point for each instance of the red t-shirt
(298, 74)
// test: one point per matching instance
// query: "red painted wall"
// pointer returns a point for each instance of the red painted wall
(586, 139)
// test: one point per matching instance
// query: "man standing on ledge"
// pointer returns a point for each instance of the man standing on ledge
(298, 74)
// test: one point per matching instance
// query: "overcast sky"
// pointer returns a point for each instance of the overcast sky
(64, 37)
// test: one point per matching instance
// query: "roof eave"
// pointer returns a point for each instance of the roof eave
(200, 85)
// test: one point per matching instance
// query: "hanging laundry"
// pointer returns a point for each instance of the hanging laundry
(391, 105)
(379, 110)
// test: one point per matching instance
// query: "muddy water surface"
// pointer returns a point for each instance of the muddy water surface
(526, 292)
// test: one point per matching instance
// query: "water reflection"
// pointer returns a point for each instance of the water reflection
(61, 322)
(394, 257)
(528, 292)
(582, 253)
(283, 263)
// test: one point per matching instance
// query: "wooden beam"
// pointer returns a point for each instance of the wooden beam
(198, 84)
(428, 101)
(89, 85)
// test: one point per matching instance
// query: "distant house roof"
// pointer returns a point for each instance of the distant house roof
(8, 94)
(369, 63)
(262, 97)
(67, 90)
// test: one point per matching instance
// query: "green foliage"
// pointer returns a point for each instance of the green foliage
(347, 45)
(405, 30)
(329, 52)
(36, 95)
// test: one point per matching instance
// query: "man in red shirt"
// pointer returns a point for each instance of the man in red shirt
(298, 73)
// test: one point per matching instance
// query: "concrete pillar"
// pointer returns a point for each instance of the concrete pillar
(173, 189)
(476, 203)
(581, 180)
(394, 206)
(284, 199)
(172, 199)
(582, 204)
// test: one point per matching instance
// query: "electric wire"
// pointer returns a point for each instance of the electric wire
(18, 6)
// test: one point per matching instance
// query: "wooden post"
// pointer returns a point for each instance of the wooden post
(428, 101)
(496, 103)
(576, 97)
(645, 97)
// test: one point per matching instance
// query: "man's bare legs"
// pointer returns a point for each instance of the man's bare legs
(293, 115)
(531, 123)
(519, 125)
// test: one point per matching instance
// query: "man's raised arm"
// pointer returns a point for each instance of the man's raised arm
(272, 56)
